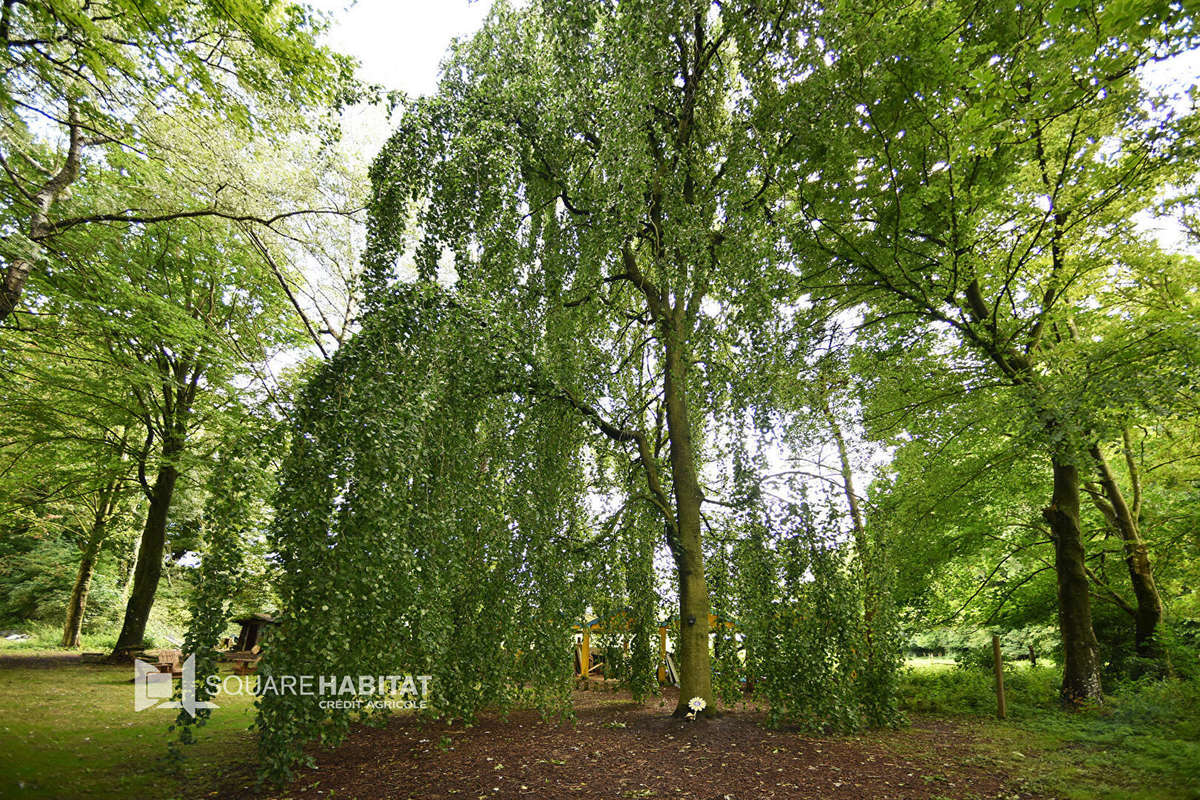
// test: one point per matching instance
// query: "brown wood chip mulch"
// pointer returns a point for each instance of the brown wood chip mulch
(618, 749)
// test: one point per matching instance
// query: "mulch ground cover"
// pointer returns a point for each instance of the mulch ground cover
(619, 749)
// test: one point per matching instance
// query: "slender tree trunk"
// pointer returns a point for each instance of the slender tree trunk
(695, 673)
(106, 504)
(149, 559)
(869, 588)
(16, 273)
(73, 626)
(856, 519)
(127, 586)
(1081, 664)
(1149, 610)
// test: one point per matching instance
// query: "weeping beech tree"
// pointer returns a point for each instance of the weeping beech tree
(438, 515)
(593, 175)
(576, 302)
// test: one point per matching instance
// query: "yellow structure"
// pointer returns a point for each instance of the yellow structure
(622, 621)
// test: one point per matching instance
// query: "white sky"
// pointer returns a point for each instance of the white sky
(400, 42)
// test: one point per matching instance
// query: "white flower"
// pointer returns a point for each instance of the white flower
(697, 704)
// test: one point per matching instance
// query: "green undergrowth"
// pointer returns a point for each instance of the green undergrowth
(1142, 743)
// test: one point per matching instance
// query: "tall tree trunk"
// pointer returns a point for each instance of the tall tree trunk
(695, 673)
(149, 558)
(1081, 663)
(73, 626)
(106, 504)
(1081, 658)
(1124, 519)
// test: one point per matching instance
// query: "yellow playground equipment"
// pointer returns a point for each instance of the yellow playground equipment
(589, 660)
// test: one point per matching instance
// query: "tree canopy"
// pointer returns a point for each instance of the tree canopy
(120, 86)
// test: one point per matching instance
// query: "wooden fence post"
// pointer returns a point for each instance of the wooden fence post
(1001, 709)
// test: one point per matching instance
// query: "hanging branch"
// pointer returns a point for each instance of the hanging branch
(278, 273)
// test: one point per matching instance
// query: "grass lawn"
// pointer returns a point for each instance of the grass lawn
(68, 730)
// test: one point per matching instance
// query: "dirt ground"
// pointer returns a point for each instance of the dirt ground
(618, 749)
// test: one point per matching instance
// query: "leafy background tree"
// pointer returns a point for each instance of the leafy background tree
(86, 77)
(164, 265)
(983, 197)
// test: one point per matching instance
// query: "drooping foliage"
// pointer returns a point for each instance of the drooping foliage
(424, 525)
(437, 517)
(624, 595)
(234, 513)
(594, 174)
(813, 617)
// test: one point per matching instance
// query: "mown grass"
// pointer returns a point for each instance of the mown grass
(70, 731)
(1143, 743)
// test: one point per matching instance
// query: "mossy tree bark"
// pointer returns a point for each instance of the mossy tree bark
(694, 664)
(77, 604)
(168, 418)
(148, 570)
